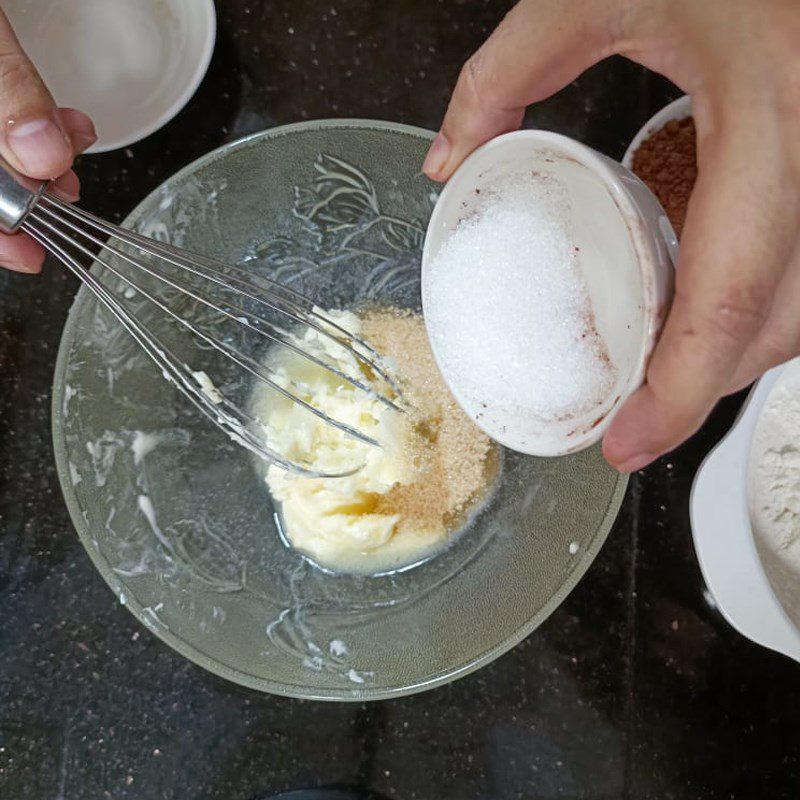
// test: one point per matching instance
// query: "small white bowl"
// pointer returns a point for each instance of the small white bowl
(676, 110)
(629, 302)
(723, 534)
(131, 65)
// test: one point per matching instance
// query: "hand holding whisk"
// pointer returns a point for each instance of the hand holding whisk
(237, 309)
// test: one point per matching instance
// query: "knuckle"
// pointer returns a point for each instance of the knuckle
(627, 17)
(481, 83)
(670, 400)
(737, 316)
(17, 73)
(776, 348)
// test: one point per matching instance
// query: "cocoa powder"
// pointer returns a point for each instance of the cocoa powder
(667, 162)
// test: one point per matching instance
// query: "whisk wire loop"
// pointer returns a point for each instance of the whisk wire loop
(252, 304)
(281, 299)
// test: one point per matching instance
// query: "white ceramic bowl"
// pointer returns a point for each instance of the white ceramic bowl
(131, 65)
(723, 534)
(676, 110)
(721, 527)
(609, 205)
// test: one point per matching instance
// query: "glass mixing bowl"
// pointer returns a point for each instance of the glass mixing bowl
(177, 517)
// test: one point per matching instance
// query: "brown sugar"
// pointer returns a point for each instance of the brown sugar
(455, 461)
(667, 162)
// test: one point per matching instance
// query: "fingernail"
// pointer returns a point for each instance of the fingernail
(67, 187)
(67, 195)
(437, 156)
(23, 269)
(637, 462)
(82, 141)
(38, 144)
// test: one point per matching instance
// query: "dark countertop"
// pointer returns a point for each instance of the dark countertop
(634, 688)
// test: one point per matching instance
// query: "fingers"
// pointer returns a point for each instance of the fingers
(32, 136)
(79, 128)
(67, 187)
(738, 240)
(20, 254)
(82, 135)
(36, 138)
(779, 339)
(537, 49)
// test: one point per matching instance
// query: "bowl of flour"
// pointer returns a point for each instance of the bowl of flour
(774, 488)
(745, 512)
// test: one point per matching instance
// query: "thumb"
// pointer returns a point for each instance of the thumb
(537, 49)
(32, 136)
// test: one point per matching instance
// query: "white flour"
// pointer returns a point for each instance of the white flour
(774, 487)
(775, 468)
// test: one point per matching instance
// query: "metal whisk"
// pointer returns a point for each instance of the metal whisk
(170, 278)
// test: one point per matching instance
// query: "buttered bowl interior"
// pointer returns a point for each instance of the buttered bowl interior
(177, 517)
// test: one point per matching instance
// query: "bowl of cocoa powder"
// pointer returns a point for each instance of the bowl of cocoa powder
(663, 155)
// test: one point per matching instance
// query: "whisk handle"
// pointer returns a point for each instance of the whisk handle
(18, 196)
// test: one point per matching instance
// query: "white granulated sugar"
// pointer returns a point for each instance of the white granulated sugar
(507, 306)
